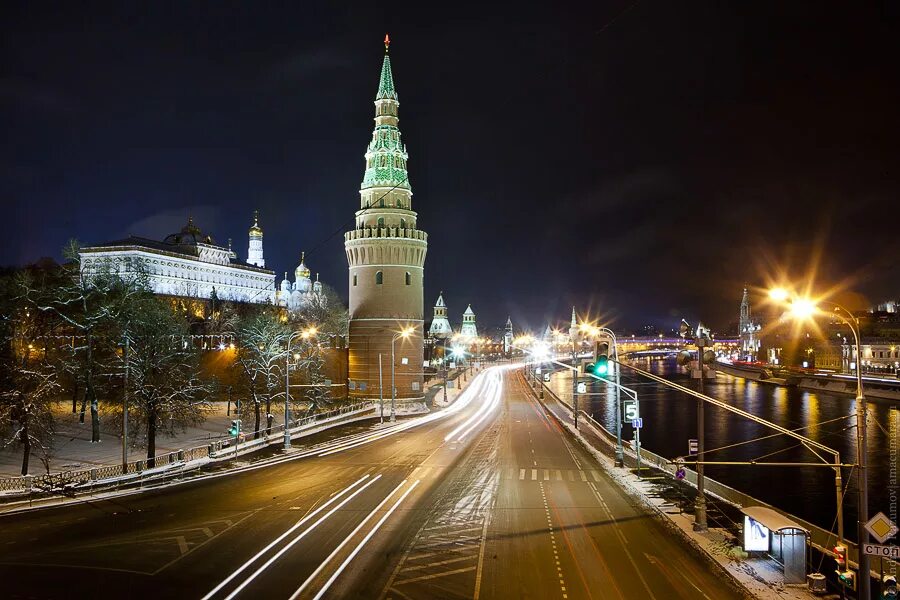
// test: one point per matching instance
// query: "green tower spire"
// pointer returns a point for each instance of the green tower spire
(386, 84)
(386, 155)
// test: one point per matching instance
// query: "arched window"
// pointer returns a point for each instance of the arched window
(381, 202)
(402, 223)
(380, 222)
(408, 278)
(379, 277)
(354, 280)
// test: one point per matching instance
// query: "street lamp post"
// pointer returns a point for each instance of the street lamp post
(305, 334)
(403, 334)
(802, 308)
(862, 477)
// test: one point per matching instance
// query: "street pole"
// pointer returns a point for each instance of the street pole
(125, 411)
(862, 483)
(380, 389)
(700, 505)
(393, 388)
(620, 451)
(445, 385)
(287, 393)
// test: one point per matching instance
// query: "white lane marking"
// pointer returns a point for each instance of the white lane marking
(534, 474)
(583, 476)
(362, 543)
(347, 540)
(302, 534)
(283, 535)
(559, 475)
(521, 474)
(546, 474)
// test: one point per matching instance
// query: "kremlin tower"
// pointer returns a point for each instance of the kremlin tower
(440, 325)
(386, 256)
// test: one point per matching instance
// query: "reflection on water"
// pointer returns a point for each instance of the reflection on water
(670, 419)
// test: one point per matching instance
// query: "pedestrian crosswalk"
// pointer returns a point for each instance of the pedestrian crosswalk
(509, 474)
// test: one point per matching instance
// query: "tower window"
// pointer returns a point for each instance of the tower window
(408, 278)
(402, 223)
(379, 277)
(354, 280)
(381, 202)
(380, 222)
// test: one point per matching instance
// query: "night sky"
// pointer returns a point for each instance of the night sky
(642, 159)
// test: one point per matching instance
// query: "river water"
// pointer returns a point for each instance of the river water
(670, 419)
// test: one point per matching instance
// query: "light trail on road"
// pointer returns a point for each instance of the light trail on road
(363, 542)
(299, 523)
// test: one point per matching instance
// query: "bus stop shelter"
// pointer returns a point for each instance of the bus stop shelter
(768, 531)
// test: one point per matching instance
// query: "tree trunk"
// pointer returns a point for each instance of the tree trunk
(269, 417)
(83, 408)
(151, 435)
(89, 388)
(26, 444)
(91, 395)
(75, 391)
(256, 426)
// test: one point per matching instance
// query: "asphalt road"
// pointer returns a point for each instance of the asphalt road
(490, 501)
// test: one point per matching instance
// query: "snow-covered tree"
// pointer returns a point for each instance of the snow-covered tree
(167, 393)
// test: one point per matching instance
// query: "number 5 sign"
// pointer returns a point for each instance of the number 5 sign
(631, 410)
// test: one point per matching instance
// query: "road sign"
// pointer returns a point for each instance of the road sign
(631, 410)
(882, 551)
(680, 473)
(693, 447)
(637, 423)
(546, 376)
(881, 528)
(581, 387)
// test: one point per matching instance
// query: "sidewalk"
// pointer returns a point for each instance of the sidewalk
(760, 577)
(73, 450)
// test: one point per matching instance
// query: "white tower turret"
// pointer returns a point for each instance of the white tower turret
(255, 251)
(440, 325)
(468, 324)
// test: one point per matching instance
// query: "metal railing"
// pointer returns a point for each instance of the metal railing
(71, 481)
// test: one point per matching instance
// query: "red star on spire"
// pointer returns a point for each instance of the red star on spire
(387, 41)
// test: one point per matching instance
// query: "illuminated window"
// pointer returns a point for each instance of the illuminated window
(379, 278)
(408, 278)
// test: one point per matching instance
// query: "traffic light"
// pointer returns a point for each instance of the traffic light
(600, 366)
(840, 557)
(235, 427)
(847, 579)
(889, 586)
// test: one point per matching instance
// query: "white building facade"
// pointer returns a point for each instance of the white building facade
(186, 264)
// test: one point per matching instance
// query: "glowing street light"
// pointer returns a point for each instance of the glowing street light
(779, 294)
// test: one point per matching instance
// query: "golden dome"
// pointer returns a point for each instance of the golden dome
(255, 229)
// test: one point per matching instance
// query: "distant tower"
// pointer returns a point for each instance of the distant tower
(508, 336)
(745, 312)
(386, 255)
(573, 327)
(749, 331)
(255, 251)
(468, 324)
(440, 325)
